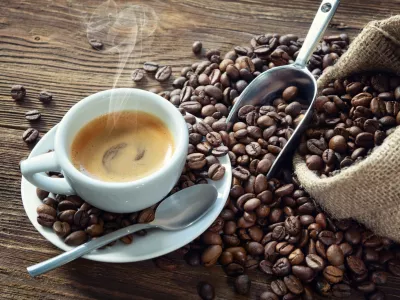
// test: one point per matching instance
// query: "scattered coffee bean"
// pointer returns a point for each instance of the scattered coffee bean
(163, 73)
(242, 284)
(30, 135)
(18, 92)
(32, 115)
(205, 290)
(137, 75)
(150, 67)
(45, 97)
(96, 44)
(196, 47)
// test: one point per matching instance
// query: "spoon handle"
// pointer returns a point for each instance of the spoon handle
(324, 15)
(83, 249)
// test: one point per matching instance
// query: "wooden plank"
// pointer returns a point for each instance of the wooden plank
(43, 45)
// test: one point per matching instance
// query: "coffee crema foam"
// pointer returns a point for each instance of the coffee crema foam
(133, 146)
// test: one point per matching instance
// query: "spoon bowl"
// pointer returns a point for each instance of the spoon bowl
(184, 208)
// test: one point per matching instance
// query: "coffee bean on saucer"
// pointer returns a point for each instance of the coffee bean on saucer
(196, 47)
(137, 75)
(30, 135)
(18, 92)
(45, 97)
(81, 218)
(205, 290)
(163, 73)
(96, 44)
(33, 115)
(76, 238)
(46, 220)
(150, 67)
(41, 193)
(216, 172)
(62, 229)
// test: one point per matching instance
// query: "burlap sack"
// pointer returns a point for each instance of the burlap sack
(369, 191)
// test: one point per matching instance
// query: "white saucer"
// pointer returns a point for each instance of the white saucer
(154, 244)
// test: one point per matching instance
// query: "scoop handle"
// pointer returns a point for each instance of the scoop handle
(324, 15)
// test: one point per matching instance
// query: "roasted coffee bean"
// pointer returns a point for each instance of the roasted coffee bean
(315, 262)
(210, 255)
(76, 238)
(196, 161)
(138, 74)
(196, 47)
(216, 172)
(327, 237)
(33, 115)
(50, 202)
(46, 220)
(163, 73)
(242, 284)
(366, 287)
(305, 274)
(96, 44)
(241, 173)
(379, 278)
(268, 296)
(335, 255)
(81, 218)
(62, 229)
(293, 284)
(234, 269)
(356, 265)
(45, 97)
(18, 92)
(292, 225)
(333, 274)
(279, 287)
(266, 267)
(220, 151)
(282, 267)
(150, 67)
(205, 290)
(341, 291)
(296, 257)
(30, 135)
(377, 296)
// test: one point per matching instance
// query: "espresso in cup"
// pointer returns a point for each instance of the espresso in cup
(122, 146)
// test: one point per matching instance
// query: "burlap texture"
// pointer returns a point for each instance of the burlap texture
(369, 191)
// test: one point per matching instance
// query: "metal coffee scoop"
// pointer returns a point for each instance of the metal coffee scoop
(270, 84)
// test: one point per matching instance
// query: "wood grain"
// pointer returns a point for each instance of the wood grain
(43, 45)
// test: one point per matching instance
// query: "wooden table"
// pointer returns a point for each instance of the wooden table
(43, 45)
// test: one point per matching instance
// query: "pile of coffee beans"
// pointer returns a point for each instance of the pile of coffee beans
(284, 234)
(269, 225)
(352, 116)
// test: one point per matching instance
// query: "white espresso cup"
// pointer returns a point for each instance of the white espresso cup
(118, 197)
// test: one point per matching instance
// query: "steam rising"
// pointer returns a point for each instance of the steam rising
(122, 30)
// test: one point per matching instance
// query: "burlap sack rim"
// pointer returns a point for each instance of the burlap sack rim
(379, 26)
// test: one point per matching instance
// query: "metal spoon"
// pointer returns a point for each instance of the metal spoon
(178, 211)
(267, 86)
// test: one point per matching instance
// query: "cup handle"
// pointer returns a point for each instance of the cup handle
(32, 167)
